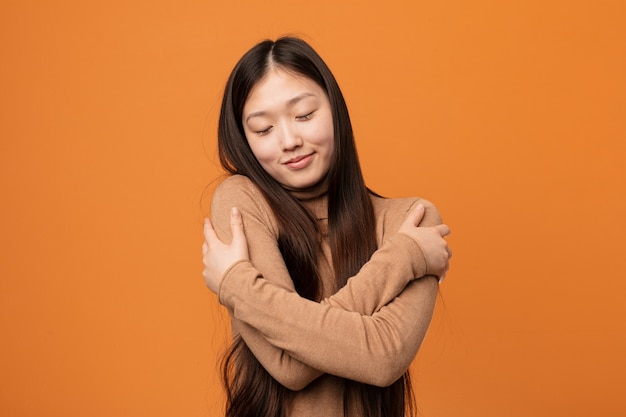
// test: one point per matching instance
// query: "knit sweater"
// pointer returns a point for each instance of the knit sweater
(368, 331)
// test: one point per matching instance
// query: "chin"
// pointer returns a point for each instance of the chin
(303, 185)
(297, 187)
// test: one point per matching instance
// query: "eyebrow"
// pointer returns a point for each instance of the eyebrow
(290, 103)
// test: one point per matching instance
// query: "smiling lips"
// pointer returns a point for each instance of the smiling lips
(299, 162)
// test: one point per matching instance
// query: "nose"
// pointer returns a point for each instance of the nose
(290, 138)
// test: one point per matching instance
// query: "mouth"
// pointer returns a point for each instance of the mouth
(299, 162)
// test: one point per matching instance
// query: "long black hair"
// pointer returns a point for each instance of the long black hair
(251, 391)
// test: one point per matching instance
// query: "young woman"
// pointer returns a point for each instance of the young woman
(330, 288)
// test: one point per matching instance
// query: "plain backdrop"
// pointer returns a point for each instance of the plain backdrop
(508, 115)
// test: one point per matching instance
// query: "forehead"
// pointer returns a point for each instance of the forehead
(278, 87)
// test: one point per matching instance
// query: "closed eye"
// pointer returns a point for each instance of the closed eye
(305, 116)
(264, 131)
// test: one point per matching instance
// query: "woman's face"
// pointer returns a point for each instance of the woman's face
(288, 123)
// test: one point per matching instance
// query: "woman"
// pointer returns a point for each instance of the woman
(330, 288)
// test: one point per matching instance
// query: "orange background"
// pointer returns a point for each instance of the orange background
(510, 116)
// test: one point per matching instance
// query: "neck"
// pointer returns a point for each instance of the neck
(313, 192)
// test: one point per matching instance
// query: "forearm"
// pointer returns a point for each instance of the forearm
(389, 271)
(288, 371)
(373, 349)
(380, 281)
(396, 263)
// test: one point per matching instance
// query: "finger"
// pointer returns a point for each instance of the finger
(205, 248)
(442, 276)
(209, 232)
(415, 216)
(445, 273)
(443, 230)
(236, 224)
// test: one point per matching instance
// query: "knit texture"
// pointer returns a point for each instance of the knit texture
(369, 331)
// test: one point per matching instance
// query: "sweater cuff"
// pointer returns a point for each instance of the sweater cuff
(228, 284)
(412, 252)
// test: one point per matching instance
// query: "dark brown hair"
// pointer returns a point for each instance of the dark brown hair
(251, 391)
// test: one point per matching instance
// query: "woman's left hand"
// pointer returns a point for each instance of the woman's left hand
(217, 256)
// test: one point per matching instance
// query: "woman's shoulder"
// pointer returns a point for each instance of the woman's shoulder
(237, 190)
(391, 212)
(235, 182)
(400, 205)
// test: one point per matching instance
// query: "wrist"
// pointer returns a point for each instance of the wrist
(414, 252)
(222, 286)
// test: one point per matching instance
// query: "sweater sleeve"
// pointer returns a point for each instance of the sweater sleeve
(390, 269)
(398, 258)
(374, 349)
(261, 233)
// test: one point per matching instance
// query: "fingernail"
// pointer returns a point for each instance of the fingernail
(234, 211)
(420, 206)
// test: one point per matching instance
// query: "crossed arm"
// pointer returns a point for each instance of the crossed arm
(360, 334)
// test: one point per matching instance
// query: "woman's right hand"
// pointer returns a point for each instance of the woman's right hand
(431, 240)
(218, 256)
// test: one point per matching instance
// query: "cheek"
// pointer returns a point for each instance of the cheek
(322, 134)
(329, 138)
(262, 151)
